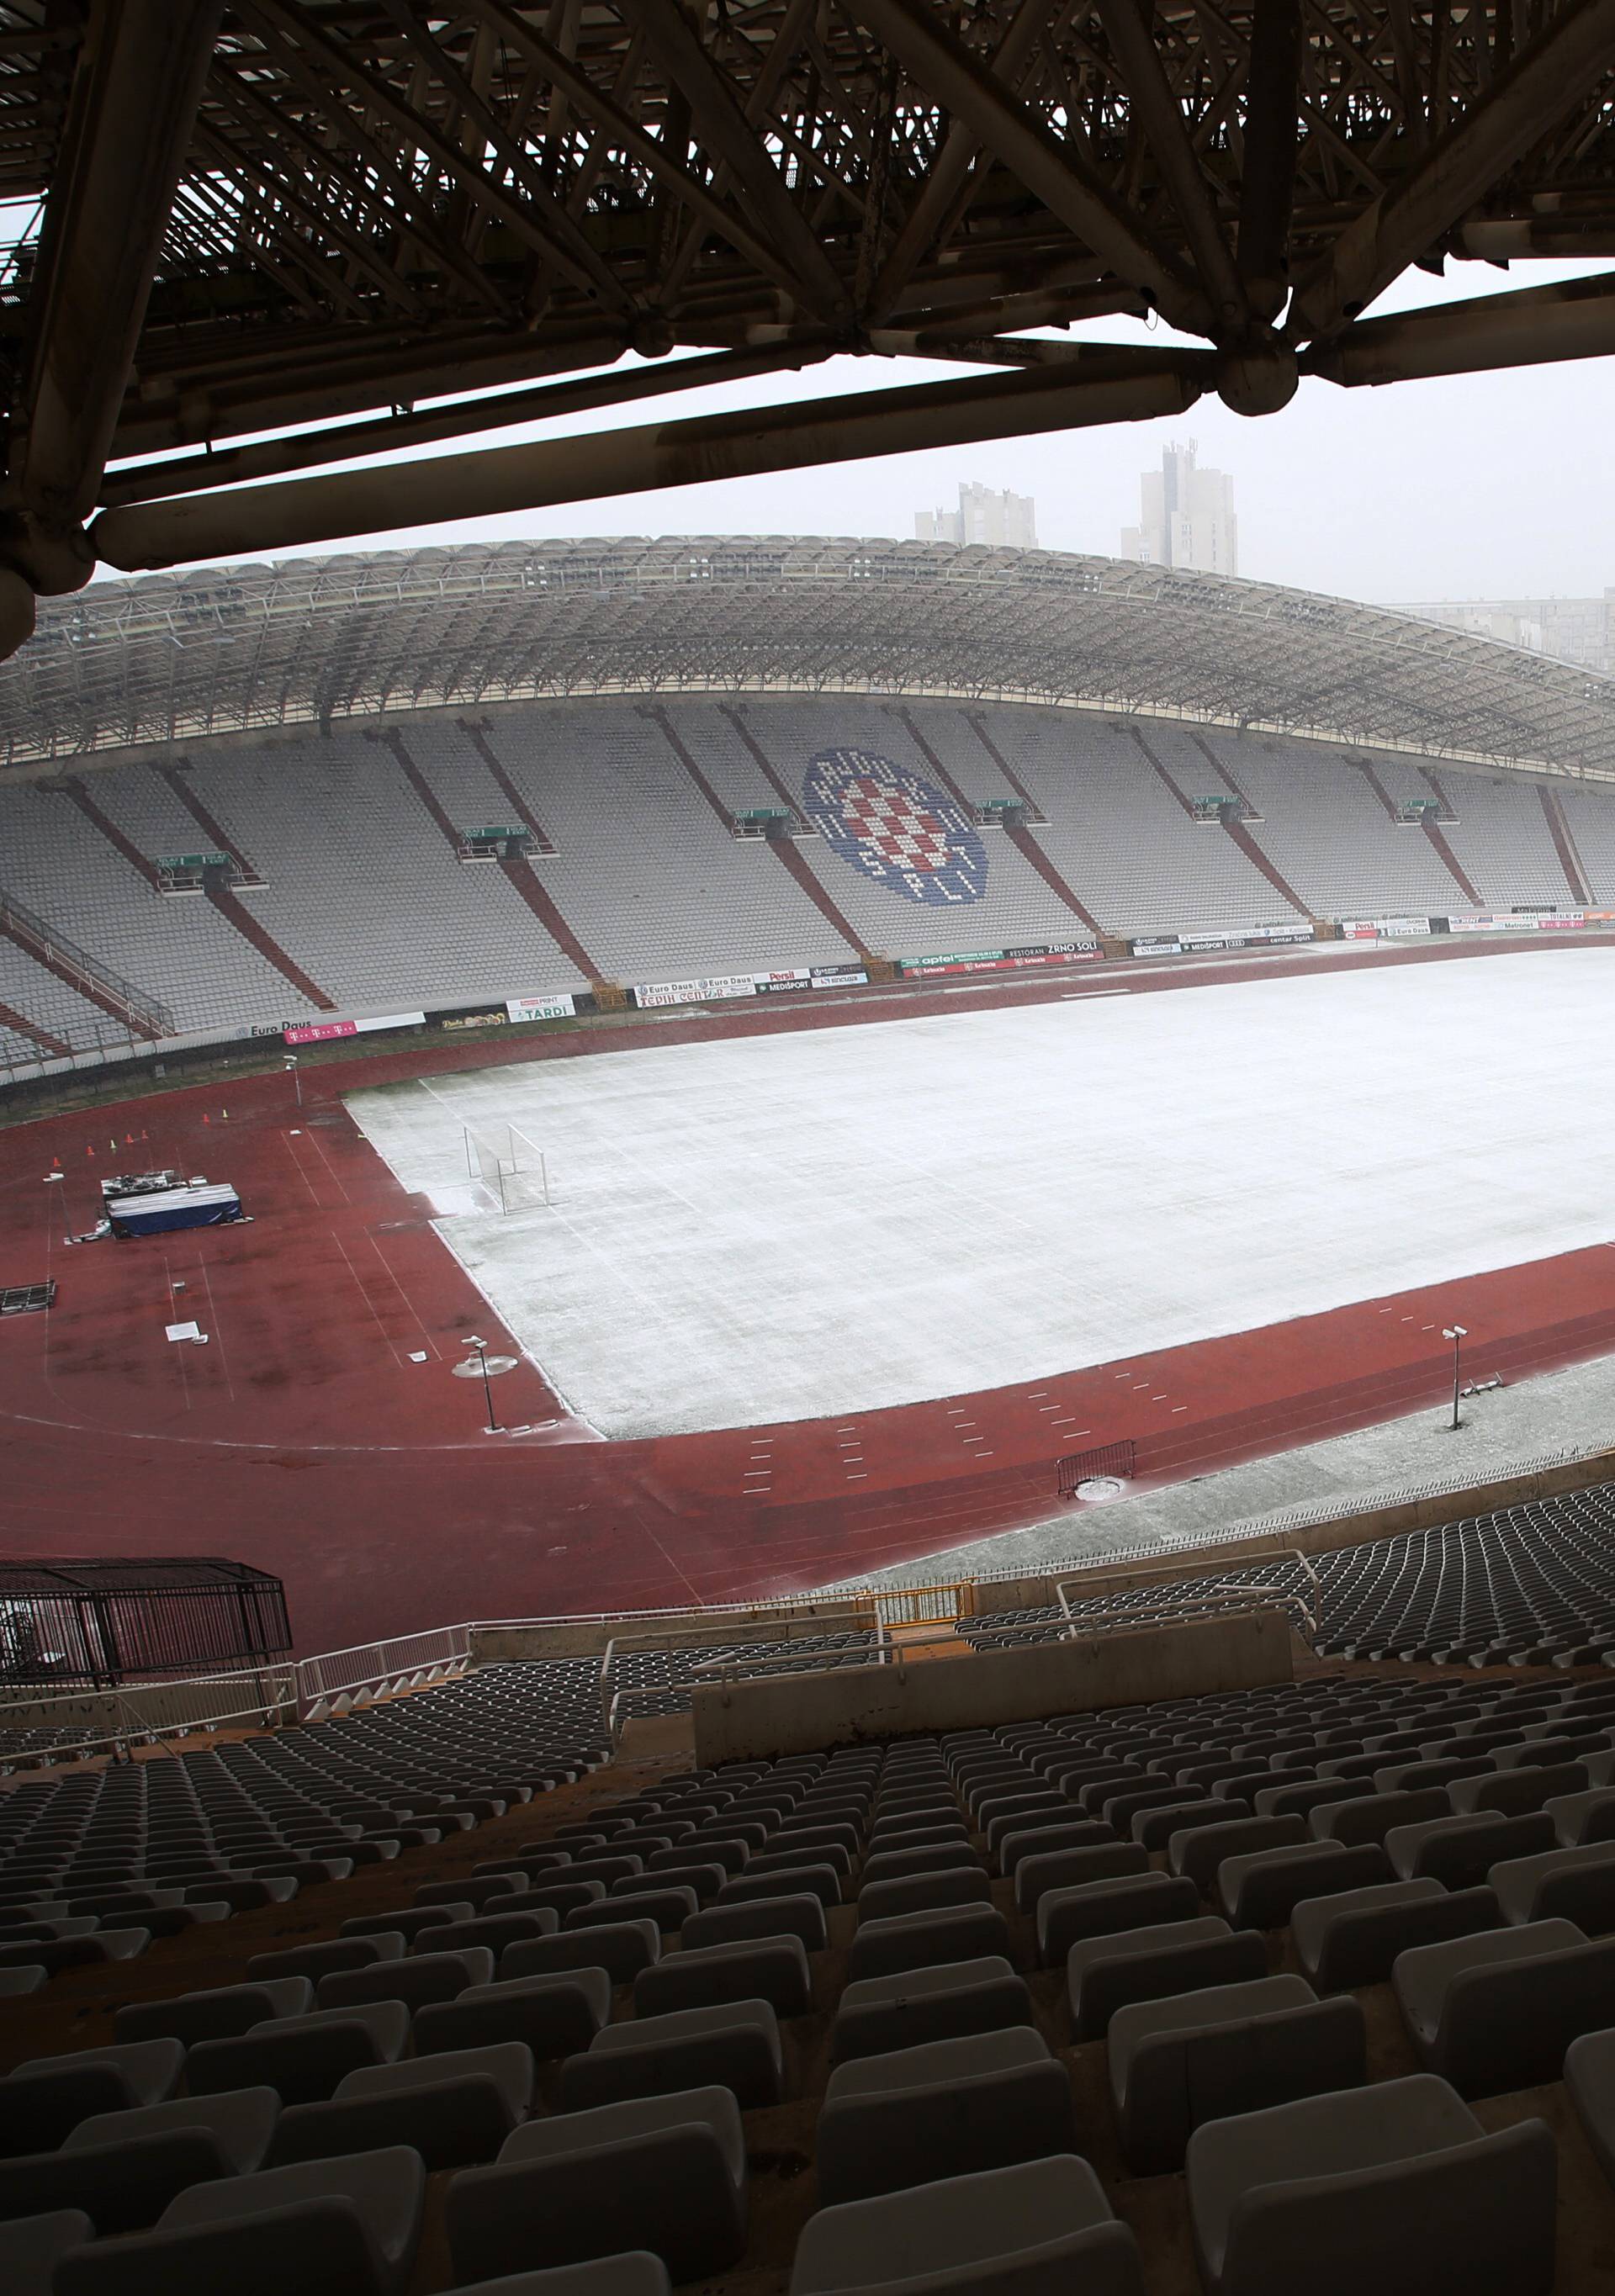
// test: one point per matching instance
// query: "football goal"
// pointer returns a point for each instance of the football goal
(510, 1170)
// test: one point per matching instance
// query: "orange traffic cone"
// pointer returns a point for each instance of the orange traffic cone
(89, 1152)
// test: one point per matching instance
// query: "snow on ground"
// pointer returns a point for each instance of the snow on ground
(782, 1228)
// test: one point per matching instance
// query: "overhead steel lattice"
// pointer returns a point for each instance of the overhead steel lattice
(349, 221)
(183, 658)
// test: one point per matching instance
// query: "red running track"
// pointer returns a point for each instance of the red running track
(305, 1437)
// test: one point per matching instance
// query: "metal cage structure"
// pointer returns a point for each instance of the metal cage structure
(245, 240)
(99, 1624)
(248, 653)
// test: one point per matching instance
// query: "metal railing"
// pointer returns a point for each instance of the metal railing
(21, 924)
(1183, 1596)
(922, 1607)
(337, 1680)
(145, 1714)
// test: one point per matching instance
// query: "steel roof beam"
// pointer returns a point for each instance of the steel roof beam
(1130, 27)
(724, 128)
(1572, 52)
(131, 115)
(1120, 387)
(1573, 319)
(399, 433)
(941, 64)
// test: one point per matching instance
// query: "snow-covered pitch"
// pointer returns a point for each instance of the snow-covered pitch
(780, 1227)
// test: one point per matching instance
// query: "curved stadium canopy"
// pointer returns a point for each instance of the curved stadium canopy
(189, 657)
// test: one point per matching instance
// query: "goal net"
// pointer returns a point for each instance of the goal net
(509, 1169)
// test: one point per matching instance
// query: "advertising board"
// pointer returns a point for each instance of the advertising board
(560, 1007)
(694, 992)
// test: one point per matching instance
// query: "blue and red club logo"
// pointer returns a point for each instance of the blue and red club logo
(897, 829)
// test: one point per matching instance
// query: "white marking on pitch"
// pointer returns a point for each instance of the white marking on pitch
(782, 1227)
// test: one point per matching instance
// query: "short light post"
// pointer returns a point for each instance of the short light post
(487, 1386)
(296, 1074)
(1457, 1333)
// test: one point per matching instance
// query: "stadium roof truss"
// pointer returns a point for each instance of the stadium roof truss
(188, 656)
(242, 240)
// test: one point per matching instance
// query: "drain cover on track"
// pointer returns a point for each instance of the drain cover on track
(471, 1368)
(1097, 1488)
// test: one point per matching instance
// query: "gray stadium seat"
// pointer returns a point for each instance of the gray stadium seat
(314, 1961)
(945, 2109)
(31, 2248)
(1589, 2081)
(211, 2016)
(123, 2169)
(1577, 1885)
(637, 2273)
(669, 1908)
(347, 2227)
(664, 2173)
(1353, 1937)
(932, 1857)
(736, 2045)
(417, 1979)
(1370, 1817)
(877, 2015)
(819, 1881)
(1395, 2187)
(552, 2015)
(915, 1893)
(1033, 2228)
(1072, 1868)
(408, 1921)
(1198, 1852)
(772, 1969)
(1498, 2011)
(622, 1949)
(1104, 1973)
(301, 2058)
(1232, 2049)
(1095, 1909)
(921, 1941)
(494, 1931)
(800, 1917)
(1580, 1819)
(1259, 1890)
(1459, 1852)
(45, 2098)
(453, 2109)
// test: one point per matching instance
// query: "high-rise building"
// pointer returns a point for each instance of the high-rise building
(1571, 629)
(1003, 521)
(1186, 517)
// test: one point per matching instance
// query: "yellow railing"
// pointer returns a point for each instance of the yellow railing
(924, 1606)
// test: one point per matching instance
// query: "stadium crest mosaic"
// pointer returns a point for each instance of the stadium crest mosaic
(897, 829)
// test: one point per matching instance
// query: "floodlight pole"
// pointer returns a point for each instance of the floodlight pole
(488, 1385)
(1457, 1333)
